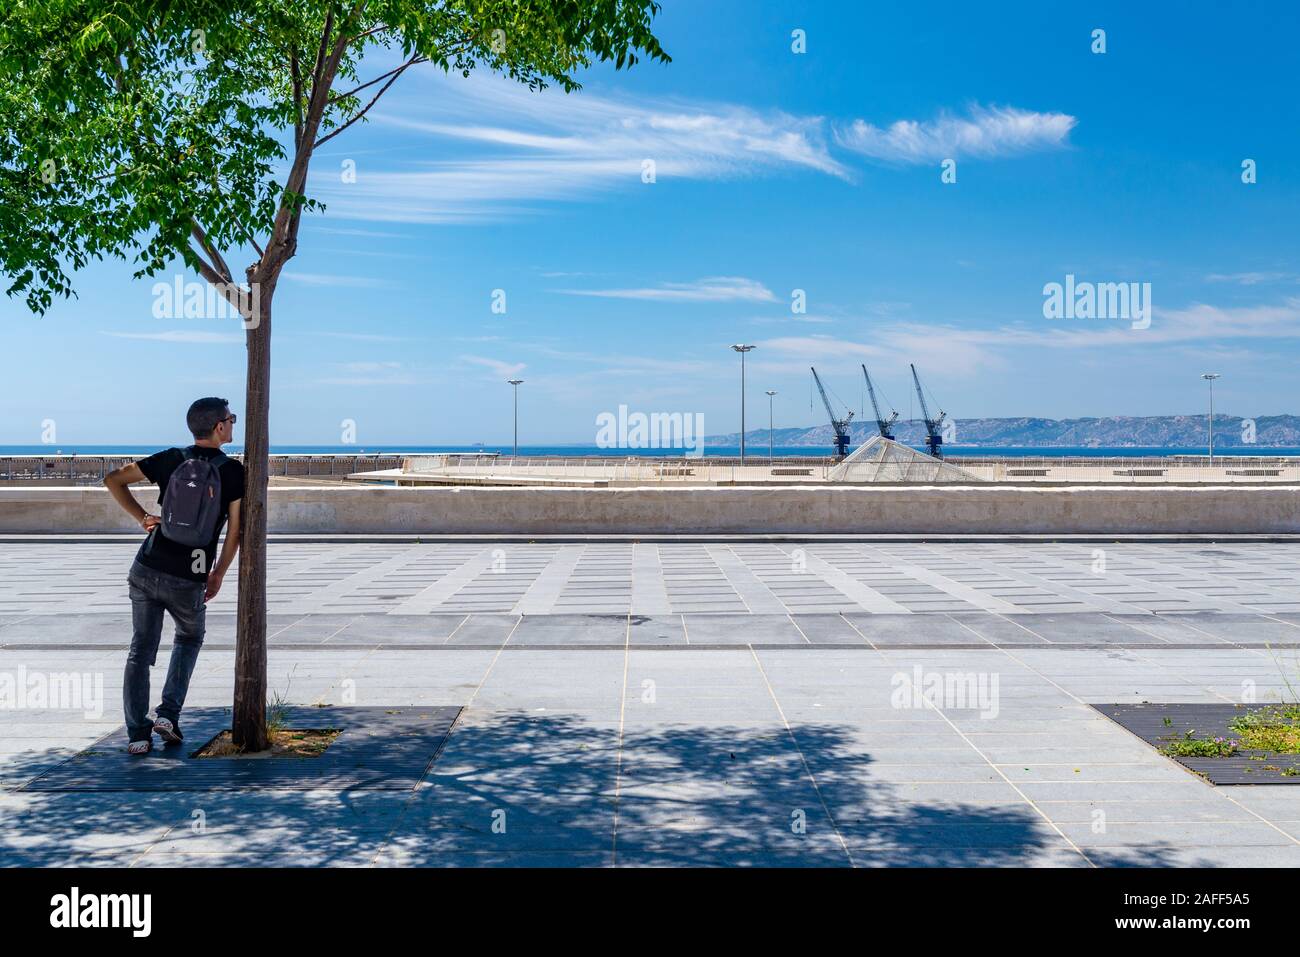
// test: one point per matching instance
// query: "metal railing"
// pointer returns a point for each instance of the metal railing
(490, 468)
(1036, 470)
(91, 469)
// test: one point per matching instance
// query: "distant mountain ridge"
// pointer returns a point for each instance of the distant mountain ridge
(1121, 431)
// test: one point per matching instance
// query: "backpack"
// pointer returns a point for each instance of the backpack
(193, 500)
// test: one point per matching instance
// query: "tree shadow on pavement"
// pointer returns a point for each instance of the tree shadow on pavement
(519, 789)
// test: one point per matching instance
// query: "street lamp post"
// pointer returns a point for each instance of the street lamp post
(1210, 377)
(770, 441)
(742, 349)
(516, 383)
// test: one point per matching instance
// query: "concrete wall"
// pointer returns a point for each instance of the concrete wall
(922, 510)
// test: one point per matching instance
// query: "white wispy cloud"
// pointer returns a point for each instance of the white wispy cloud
(712, 289)
(984, 132)
(792, 317)
(522, 148)
(193, 336)
(336, 279)
(1252, 278)
(369, 233)
(372, 373)
(505, 370)
(959, 350)
(363, 336)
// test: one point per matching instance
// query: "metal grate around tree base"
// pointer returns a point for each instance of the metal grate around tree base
(1147, 721)
(384, 749)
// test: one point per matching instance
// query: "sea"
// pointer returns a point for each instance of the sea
(756, 451)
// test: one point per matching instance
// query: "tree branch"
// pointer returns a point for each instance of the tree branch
(355, 90)
(320, 54)
(384, 89)
(221, 268)
(297, 98)
(369, 33)
(284, 232)
(236, 295)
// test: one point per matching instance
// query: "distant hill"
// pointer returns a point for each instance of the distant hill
(1121, 431)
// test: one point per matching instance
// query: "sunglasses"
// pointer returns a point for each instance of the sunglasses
(232, 418)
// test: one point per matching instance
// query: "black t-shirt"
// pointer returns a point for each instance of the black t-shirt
(161, 553)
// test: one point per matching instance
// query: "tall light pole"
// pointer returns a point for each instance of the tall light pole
(1210, 377)
(770, 442)
(516, 383)
(742, 349)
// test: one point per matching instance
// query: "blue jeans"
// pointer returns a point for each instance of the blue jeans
(152, 593)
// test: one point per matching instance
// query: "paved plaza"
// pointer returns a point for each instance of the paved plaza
(622, 578)
(691, 703)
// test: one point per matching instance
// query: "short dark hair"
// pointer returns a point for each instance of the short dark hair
(204, 414)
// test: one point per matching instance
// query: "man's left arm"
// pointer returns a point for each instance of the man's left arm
(229, 548)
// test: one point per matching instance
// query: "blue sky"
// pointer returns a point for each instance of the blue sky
(774, 172)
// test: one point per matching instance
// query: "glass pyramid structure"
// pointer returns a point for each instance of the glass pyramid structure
(884, 460)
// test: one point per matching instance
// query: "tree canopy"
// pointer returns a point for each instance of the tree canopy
(149, 130)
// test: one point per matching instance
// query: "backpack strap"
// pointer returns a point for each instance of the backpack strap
(218, 460)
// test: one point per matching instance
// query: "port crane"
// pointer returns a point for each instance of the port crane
(840, 426)
(933, 437)
(883, 424)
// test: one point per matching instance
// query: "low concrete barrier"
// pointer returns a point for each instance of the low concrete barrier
(936, 510)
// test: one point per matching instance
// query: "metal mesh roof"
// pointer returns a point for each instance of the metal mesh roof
(884, 460)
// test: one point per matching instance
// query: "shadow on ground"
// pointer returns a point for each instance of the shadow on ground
(519, 789)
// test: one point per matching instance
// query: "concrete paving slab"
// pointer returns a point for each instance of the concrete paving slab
(613, 730)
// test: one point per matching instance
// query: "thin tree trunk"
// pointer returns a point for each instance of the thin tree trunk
(248, 725)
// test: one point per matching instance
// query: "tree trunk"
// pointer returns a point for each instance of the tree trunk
(248, 725)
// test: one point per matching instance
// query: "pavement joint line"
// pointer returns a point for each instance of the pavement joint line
(459, 624)
(339, 629)
(1025, 628)
(1136, 627)
(1216, 790)
(618, 759)
(983, 638)
(152, 844)
(1157, 665)
(984, 644)
(1272, 617)
(812, 779)
(1225, 641)
(797, 628)
(346, 538)
(415, 791)
(871, 645)
(320, 699)
(685, 633)
(1076, 764)
(1012, 784)
(966, 738)
(296, 621)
